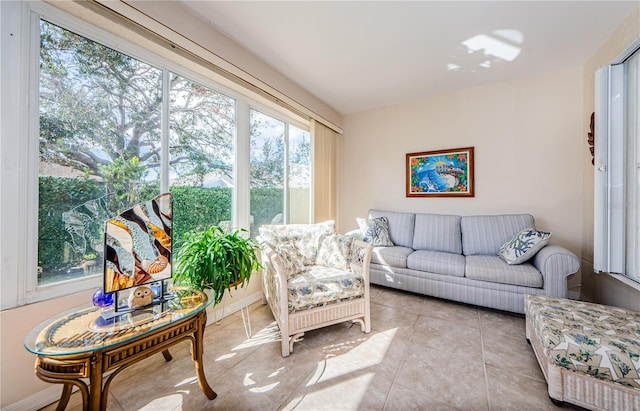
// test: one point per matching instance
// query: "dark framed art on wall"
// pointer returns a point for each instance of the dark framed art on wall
(440, 173)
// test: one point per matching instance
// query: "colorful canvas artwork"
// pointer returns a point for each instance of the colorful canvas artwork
(443, 173)
(138, 245)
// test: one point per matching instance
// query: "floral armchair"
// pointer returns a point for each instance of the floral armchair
(313, 278)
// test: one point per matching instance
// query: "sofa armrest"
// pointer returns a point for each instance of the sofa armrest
(556, 264)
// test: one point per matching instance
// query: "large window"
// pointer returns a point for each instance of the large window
(202, 130)
(118, 125)
(617, 196)
(280, 172)
(99, 147)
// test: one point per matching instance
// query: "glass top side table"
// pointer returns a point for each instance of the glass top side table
(79, 344)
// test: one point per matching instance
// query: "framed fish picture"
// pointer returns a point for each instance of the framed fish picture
(442, 173)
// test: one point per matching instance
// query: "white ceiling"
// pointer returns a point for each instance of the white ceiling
(361, 55)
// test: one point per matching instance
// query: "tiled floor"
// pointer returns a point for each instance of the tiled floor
(422, 354)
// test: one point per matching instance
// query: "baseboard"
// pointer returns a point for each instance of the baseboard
(38, 400)
(52, 394)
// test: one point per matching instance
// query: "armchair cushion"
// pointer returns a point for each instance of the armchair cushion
(335, 251)
(292, 259)
(320, 285)
(304, 237)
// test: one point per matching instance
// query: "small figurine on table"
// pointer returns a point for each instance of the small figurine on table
(140, 296)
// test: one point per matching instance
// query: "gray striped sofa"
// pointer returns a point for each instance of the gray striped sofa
(456, 258)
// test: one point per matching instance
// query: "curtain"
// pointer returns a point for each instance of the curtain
(324, 172)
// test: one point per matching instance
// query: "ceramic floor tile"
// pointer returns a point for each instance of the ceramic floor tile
(512, 355)
(408, 302)
(510, 391)
(326, 338)
(375, 291)
(163, 387)
(422, 354)
(379, 351)
(228, 345)
(502, 323)
(457, 380)
(340, 385)
(278, 377)
(451, 338)
(236, 391)
(385, 318)
(454, 313)
(75, 403)
(405, 399)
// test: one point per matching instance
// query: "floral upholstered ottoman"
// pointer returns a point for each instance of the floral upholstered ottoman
(589, 353)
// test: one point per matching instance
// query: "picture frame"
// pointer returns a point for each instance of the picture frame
(440, 173)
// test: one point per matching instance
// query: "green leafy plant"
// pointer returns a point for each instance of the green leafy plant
(217, 259)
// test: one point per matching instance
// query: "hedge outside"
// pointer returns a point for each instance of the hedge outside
(194, 209)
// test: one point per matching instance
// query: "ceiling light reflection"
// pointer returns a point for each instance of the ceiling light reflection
(513, 36)
(486, 50)
(492, 47)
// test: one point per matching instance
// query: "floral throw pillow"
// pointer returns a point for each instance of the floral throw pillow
(523, 246)
(375, 231)
(335, 251)
(291, 258)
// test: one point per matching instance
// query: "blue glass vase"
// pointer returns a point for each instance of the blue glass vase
(102, 300)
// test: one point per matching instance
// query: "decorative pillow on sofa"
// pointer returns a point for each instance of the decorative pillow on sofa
(523, 246)
(375, 231)
(335, 251)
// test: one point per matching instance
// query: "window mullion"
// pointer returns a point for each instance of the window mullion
(165, 130)
(30, 284)
(285, 190)
(241, 194)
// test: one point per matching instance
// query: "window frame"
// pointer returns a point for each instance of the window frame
(18, 288)
(616, 201)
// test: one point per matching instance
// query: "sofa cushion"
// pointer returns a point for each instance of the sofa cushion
(494, 269)
(393, 256)
(484, 235)
(523, 246)
(375, 231)
(320, 285)
(437, 232)
(400, 226)
(437, 262)
(335, 251)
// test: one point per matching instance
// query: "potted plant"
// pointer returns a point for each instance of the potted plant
(216, 259)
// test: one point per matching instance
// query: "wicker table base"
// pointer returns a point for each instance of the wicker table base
(78, 348)
(70, 370)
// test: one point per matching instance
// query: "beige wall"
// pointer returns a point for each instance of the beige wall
(602, 288)
(17, 379)
(529, 151)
